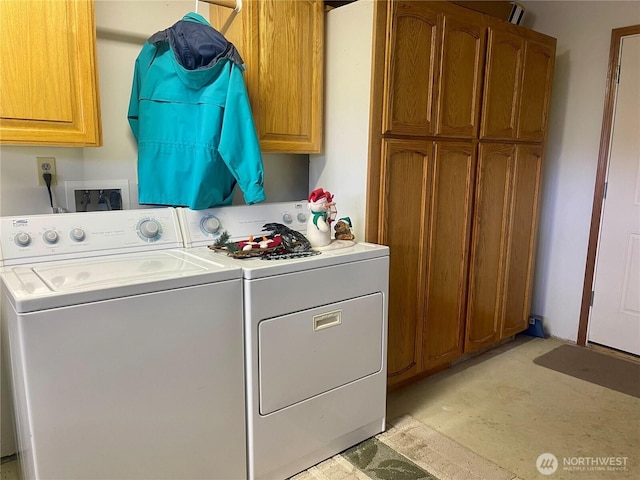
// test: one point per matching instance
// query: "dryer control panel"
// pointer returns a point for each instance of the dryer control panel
(41, 238)
(204, 227)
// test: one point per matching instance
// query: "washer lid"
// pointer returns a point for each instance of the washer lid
(64, 283)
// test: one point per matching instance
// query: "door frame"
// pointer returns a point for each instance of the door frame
(617, 35)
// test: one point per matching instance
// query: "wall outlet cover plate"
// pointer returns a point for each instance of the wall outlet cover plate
(72, 186)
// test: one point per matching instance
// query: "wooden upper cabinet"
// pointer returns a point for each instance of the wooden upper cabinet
(517, 85)
(460, 80)
(435, 55)
(281, 42)
(49, 89)
(412, 66)
(537, 77)
(505, 52)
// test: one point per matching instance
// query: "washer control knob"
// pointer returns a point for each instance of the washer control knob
(22, 239)
(149, 229)
(210, 224)
(286, 218)
(50, 237)
(302, 217)
(77, 235)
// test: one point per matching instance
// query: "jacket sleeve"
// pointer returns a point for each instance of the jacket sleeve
(239, 147)
(132, 114)
(139, 70)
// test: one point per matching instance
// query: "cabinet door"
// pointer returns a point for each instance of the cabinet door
(463, 51)
(281, 42)
(537, 78)
(522, 235)
(49, 85)
(405, 175)
(489, 239)
(447, 242)
(505, 52)
(412, 61)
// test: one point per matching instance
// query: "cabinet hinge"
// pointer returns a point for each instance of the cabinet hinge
(592, 295)
(618, 74)
(606, 187)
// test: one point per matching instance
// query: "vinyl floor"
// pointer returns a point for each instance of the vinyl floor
(504, 407)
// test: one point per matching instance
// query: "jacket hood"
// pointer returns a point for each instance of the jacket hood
(197, 48)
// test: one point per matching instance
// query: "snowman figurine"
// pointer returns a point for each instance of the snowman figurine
(323, 212)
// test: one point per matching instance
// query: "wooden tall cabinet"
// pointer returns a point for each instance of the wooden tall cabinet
(504, 221)
(516, 98)
(490, 237)
(523, 218)
(427, 192)
(281, 42)
(447, 247)
(407, 167)
(49, 89)
(458, 127)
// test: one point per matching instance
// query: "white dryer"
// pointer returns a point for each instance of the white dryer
(126, 353)
(315, 340)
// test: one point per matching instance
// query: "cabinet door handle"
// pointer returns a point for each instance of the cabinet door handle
(326, 320)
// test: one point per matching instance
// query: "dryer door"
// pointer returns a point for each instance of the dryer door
(307, 353)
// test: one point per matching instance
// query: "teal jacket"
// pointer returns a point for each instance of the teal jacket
(190, 114)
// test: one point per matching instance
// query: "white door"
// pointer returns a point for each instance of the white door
(615, 315)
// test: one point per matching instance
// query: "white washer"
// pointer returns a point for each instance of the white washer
(316, 340)
(126, 354)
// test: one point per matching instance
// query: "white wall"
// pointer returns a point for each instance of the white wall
(342, 166)
(583, 30)
(122, 28)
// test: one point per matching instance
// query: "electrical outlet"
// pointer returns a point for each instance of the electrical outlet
(46, 165)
